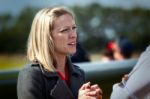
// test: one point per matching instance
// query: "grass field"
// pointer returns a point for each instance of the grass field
(11, 61)
(95, 57)
(17, 61)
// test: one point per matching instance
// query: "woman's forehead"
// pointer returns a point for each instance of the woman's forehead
(64, 20)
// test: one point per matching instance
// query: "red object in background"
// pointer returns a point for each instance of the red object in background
(110, 45)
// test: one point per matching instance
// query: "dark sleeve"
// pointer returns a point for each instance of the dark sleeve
(30, 84)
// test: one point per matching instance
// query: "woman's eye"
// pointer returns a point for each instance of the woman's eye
(74, 28)
(64, 30)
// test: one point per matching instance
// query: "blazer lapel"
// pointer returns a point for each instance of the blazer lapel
(61, 90)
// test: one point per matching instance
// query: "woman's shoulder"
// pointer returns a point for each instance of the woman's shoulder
(30, 82)
(30, 69)
(33, 66)
(78, 69)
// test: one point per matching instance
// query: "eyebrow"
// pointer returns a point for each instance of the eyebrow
(61, 28)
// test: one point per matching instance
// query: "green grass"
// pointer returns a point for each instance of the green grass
(8, 61)
(11, 61)
(95, 57)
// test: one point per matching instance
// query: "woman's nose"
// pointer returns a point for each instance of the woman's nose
(73, 34)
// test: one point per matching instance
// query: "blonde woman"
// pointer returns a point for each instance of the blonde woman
(50, 73)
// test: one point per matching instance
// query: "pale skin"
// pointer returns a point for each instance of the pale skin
(117, 52)
(125, 77)
(64, 36)
(88, 91)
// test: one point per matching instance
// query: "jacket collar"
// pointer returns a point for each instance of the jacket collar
(72, 69)
(44, 71)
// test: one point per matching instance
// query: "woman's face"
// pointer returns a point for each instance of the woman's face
(64, 35)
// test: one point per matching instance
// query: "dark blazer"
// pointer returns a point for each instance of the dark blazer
(34, 82)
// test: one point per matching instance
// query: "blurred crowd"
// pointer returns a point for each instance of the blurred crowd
(119, 49)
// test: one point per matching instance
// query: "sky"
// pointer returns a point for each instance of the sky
(15, 6)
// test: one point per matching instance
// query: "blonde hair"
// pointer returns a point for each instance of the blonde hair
(40, 42)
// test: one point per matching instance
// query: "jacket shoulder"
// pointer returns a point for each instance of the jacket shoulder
(79, 70)
(32, 69)
(30, 82)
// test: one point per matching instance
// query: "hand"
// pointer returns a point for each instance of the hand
(95, 91)
(125, 77)
(83, 90)
(90, 92)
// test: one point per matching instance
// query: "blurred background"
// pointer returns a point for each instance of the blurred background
(98, 22)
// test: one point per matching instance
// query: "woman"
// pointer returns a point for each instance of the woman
(50, 73)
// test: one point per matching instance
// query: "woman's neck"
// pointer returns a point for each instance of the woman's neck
(61, 67)
(61, 63)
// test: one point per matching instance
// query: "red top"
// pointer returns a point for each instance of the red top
(64, 77)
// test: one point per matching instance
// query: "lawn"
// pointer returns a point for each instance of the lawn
(18, 60)
(11, 61)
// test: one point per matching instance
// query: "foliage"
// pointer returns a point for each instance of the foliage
(14, 31)
(93, 21)
(123, 22)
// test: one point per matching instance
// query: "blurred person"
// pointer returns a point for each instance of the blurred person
(135, 85)
(124, 49)
(112, 51)
(108, 52)
(50, 73)
(118, 49)
(80, 56)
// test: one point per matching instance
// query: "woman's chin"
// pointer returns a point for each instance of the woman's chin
(72, 52)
